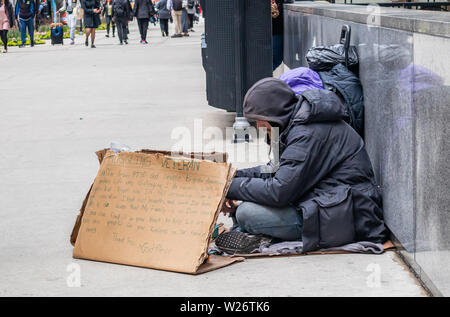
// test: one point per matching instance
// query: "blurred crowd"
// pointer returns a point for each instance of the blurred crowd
(87, 16)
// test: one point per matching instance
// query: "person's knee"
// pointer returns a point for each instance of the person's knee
(243, 214)
(247, 215)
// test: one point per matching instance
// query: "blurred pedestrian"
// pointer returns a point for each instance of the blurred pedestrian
(184, 19)
(107, 13)
(6, 21)
(71, 6)
(164, 16)
(143, 11)
(43, 15)
(92, 10)
(191, 8)
(25, 13)
(79, 13)
(277, 32)
(122, 12)
(175, 7)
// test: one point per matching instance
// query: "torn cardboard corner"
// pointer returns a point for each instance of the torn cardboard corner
(154, 210)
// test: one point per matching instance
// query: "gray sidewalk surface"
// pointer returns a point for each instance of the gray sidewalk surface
(59, 104)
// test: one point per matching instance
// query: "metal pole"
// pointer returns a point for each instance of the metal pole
(241, 124)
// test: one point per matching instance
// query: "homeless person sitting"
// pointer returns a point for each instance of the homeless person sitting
(323, 192)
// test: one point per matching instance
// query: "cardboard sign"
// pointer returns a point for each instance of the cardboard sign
(152, 210)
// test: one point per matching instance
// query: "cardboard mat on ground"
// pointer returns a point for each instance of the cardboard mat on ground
(387, 246)
(153, 210)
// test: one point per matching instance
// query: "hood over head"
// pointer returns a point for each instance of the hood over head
(271, 100)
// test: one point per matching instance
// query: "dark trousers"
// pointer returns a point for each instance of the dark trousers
(164, 24)
(4, 38)
(110, 22)
(143, 26)
(122, 31)
(191, 20)
(277, 42)
(184, 21)
(23, 26)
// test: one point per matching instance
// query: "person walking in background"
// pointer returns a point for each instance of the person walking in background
(25, 13)
(176, 6)
(277, 32)
(107, 13)
(143, 11)
(92, 10)
(191, 4)
(164, 16)
(43, 14)
(184, 19)
(122, 12)
(71, 6)
(79, 13)
(6, 21)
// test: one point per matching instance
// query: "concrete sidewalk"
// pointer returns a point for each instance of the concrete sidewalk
(59, 104)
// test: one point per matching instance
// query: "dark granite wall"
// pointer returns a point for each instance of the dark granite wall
(406, 81)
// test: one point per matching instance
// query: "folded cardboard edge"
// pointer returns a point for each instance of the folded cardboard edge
(216, 262)
(76, 226)
(217, 157)
(204, 255)
(388, 245)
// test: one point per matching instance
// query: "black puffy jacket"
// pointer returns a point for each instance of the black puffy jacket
(324, 170)
(347, 84)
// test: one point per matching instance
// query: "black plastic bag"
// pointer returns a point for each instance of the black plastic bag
(324, 58)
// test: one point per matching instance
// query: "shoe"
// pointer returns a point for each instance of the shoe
(114, 35)
(236, 242)
(5, 50)
(185, 34)
(106, 35)
(176, 35)
(32, 44)
(72, 42)
(21, 45)
(121, 43)
(126, 42)
(145, 42)
(93, 46)
(163, 34)
(191, 30)
(86, 43)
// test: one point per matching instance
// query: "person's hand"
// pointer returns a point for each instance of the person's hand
(229, 207)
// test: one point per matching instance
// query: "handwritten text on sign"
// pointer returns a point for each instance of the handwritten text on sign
(151, 210)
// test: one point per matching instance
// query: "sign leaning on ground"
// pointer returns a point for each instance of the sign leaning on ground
(153, 210)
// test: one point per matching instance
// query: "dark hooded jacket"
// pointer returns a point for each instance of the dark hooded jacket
(347, 84)
(324, 170)
(127, 11)
(143, 9)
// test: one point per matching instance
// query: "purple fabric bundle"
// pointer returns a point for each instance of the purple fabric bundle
(301, 79)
